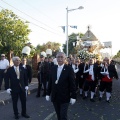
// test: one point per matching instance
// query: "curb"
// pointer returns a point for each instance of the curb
(33, 88)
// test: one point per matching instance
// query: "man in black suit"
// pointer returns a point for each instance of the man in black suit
(43, 69)
(61, 87)
(50, 64)
(108, 72)
(27, 68)
(50, 61)
(17, 84)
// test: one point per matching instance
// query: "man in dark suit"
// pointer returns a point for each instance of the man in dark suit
(61, 87)
(27, 68)
(43, 69)
(108, 72)
(17, 84)
(50, 65)
(50, 61)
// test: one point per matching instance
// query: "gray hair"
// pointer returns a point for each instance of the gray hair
(15, 58)
(106, 58)
(61, 53)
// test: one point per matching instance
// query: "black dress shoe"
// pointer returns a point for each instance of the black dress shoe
(92, 100)
(81, 95)
(95, 95)
(25, 116)
(37, 96)
(44, 94)
(16, 117)
(100, 98)
(107, 101)
(85, 97)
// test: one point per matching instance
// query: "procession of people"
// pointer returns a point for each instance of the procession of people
(62, 81)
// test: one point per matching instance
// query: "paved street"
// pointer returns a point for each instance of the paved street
(86, 110)
(39, 109)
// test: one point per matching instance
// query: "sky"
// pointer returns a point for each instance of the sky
(47, 16)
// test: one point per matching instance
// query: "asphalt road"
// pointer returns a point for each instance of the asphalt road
(37, 108)
(99, 110)
(40, 109)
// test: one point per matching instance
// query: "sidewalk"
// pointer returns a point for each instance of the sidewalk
(6, 98)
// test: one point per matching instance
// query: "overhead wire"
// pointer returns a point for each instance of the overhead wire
(29, 16)
(37, 25)
(31, 6)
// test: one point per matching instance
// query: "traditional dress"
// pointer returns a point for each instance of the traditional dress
(91, 73)
(107, 73)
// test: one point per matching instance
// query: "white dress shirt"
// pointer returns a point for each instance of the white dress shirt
(4, 64)
(24, 66)
(91, 72)
(105, 72)
(74, 68)
(17, 71)
(59, 70)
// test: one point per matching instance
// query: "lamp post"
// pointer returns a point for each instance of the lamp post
(68, 10)
(26, 50)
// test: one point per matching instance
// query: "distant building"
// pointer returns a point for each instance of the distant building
(105, 55)
(90, 43)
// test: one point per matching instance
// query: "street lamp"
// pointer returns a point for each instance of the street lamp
(26, 50)
(68, 10)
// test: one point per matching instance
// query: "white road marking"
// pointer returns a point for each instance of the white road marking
(50, 116)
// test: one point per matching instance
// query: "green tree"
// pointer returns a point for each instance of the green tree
(13, 32)
(72, 38)
(117, 55)
(52, 45)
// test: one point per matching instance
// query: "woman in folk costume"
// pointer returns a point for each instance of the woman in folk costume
(108, 71)
(91, 74)
(81, 77)
(74, 64)
(77, 73)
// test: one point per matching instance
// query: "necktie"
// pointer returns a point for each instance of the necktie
(17, 72)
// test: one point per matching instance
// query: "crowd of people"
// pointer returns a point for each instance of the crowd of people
(61, 78)
(88, 76)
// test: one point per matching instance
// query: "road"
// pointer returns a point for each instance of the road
(37, 108)
(40, 109)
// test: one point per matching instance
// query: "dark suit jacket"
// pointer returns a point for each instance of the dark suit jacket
(43, 69)
(50, 66)
(16, 84)
(65, 89)
(81, 69)
(29, 73)
(112, 71)
(28, 70)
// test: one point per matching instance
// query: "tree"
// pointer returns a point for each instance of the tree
(53, 46)
(13, 32)
(117, 55)
(72, 38)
